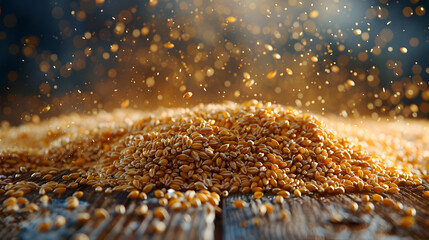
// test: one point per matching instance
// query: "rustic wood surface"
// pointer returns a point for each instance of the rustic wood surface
(311, 218)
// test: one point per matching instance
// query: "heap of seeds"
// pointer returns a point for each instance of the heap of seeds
(215, 149)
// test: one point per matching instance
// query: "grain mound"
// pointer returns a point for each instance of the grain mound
(224, 148)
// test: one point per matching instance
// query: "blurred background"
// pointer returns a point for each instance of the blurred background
(353, 58)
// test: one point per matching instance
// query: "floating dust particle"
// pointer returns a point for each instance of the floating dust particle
(125, 103)
(168, 45)
(272, 74)
(250, 83)
(314, 59)
(350, 82)
(314, 14)
(231, 19)
(403, 50)
(276, 56)
(153, 3)
(289, 71)
(46, 109)
(246, 75)
(357, 32)
(269, 47)
(187, 95)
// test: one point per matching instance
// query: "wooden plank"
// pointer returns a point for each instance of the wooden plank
(311, 218)
(195, 223)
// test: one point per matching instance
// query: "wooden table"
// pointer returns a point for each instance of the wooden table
(311, 218)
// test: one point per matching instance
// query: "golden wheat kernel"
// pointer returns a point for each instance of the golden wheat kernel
(73, 185)
(365, 198)
(60, 190)
(203, 198)
(78, 194)
(354, 206)
(279, 199)
(269, 207)
(158, 193)
(262, 209)
(163, 201)
(378, 189)
(60, 221)
(74, 175)
(44, 199)
(388, 202)
(82, 217)
(407, 221)
(33, 207)
(399, 206)
(297, 193)
(369, 207)
(225, 193)
(120, 209)
(410, 211)
(44, 226)
(72, 202)
(18, 193)
(142, 196)
(101, 213)
(158, 226)
(258, 195)
(160, 213)
(11, 209)
(187, 95)
(10, 201)
(377, 198)
(133, 194)
(285, 214)
(108, 190)
(336, 218)
(98, 189)
(426, 193)
(420, 187)
(47, 177)
(239, 204)
(284, 193)
(257, 221)
(393, 190)
(80, 236)
(142, 210)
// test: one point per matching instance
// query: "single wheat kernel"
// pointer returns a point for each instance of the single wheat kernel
(160, 213)
(80, 236)
(411, 211)
(239, 204)
(354, 206)
(60, 221)
(133, 194)
(142, 210)
(101, 213)
(78, 194)
(377, 198)
(407, 221)
(82, 217)
(369, 207)
(258, 195)
(44, 226)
